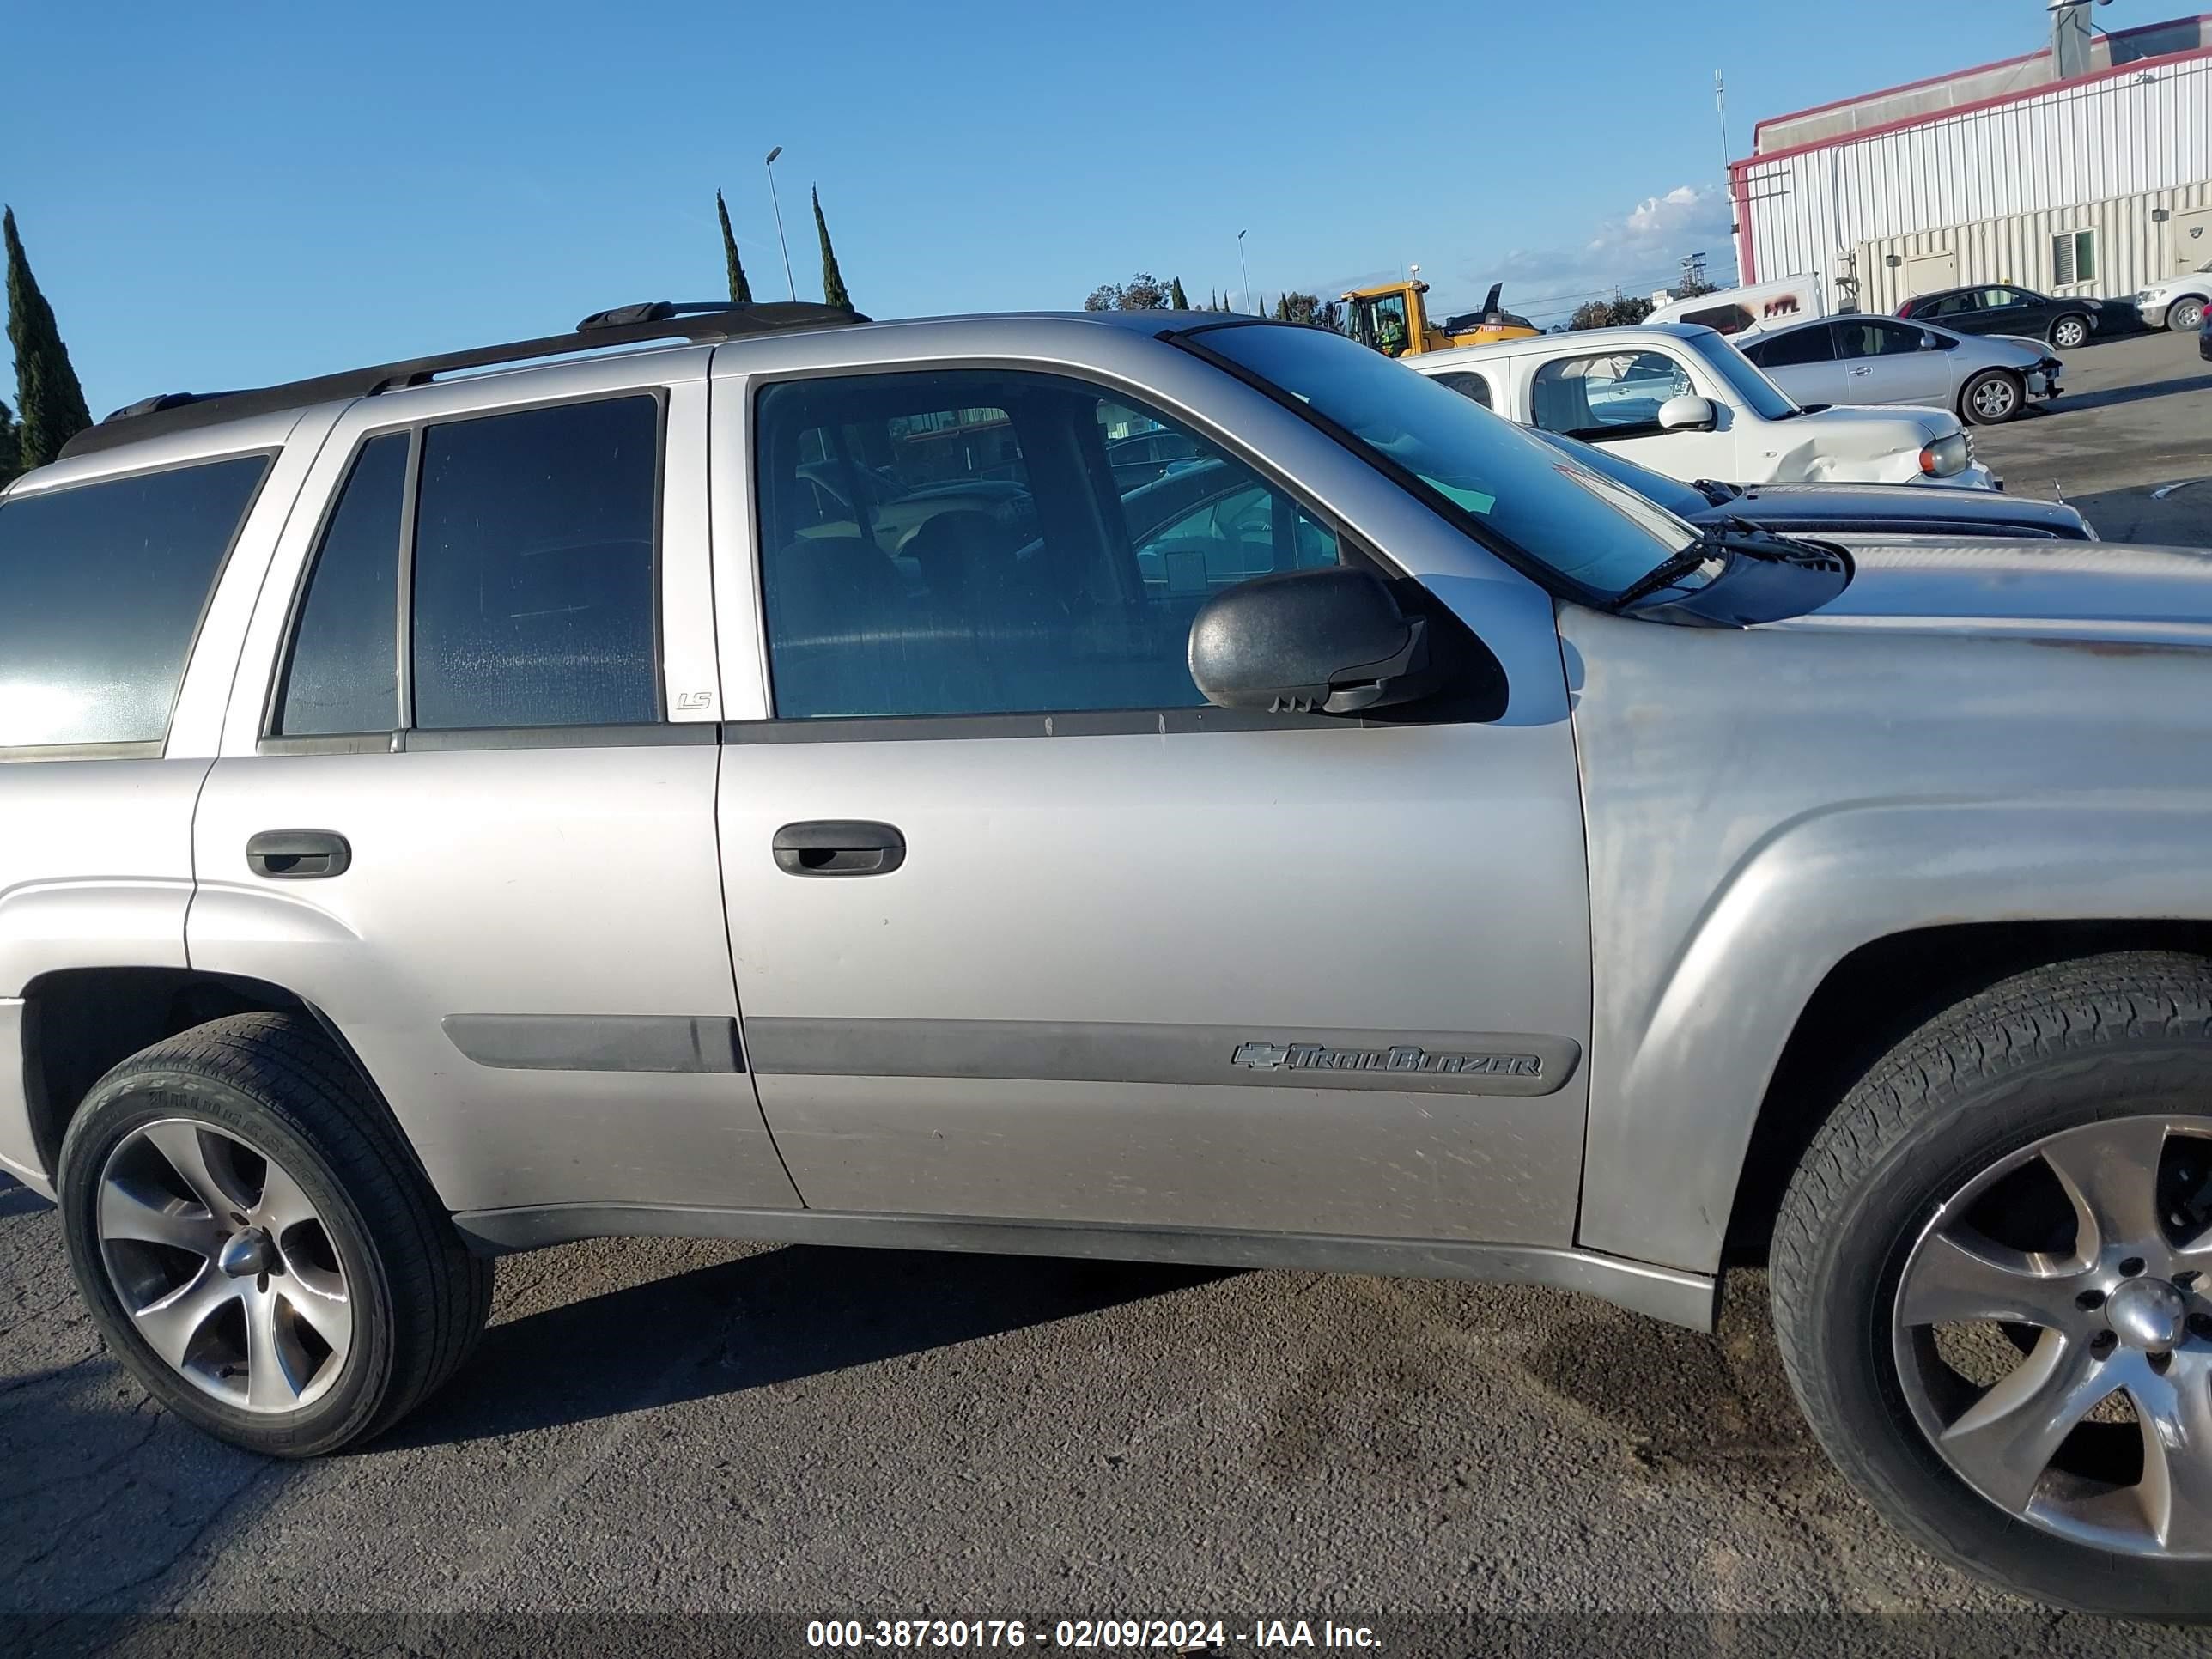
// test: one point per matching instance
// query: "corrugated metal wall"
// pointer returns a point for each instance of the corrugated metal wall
(2142, 130)
(2132, 248)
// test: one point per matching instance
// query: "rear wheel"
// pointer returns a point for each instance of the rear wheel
(1992, 1285)
(2069, 331)
(1991, 398)
(2185, 315)
(257, 1245)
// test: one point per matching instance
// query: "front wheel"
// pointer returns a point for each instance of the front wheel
(2069, 331)
(1992, 1285)
(255, 1243)
(1991, 398)
(2185, 316)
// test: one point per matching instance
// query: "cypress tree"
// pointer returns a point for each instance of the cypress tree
(11, 447)
(833, 280)
(46, 390)
(741, 291)
(1177, 302)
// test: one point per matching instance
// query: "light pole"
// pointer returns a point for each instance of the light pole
(1242, 266)
(770, 165)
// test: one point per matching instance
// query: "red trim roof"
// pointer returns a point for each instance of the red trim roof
(1759, 127)
(2135, 66)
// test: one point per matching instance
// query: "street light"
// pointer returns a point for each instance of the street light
(770, 165)
(1242, 266)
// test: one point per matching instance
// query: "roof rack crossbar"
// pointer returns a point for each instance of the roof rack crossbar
(701, 323)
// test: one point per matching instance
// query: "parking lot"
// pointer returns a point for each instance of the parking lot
(655, 1427)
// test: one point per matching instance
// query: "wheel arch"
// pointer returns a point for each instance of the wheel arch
(80, 1023)
(1876, 996)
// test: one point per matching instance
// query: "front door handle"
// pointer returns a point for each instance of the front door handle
(298, 854)
(839, 847)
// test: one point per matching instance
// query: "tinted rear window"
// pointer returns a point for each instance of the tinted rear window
(101, 589)
(533, 567)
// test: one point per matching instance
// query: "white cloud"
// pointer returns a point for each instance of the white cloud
(1640, 250)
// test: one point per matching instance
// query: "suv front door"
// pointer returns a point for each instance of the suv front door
(451, 810)
(1024, 930)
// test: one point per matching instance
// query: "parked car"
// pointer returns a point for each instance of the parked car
(1680, 399)
(2204, 336)
(2178, 302)
(2008, 308)
(448, 815)
(1876, 510)
(1879, 360)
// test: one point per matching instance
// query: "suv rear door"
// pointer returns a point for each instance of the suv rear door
(475, 724)
(1025, 931)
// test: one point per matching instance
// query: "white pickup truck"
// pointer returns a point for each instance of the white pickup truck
(1679, 399)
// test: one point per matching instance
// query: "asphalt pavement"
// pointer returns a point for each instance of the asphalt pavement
(676, 1428)
(2130, 442)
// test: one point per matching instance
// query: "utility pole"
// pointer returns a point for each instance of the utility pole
(1720, 107)
(770, 165)
(1242, 266)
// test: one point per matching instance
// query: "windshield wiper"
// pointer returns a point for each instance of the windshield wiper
(1672, 568)
(1724, 540)
(1720, 495)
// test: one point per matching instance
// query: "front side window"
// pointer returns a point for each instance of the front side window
(343, 676)
(533, 566)
(1010, 570)
(101, 588)
(1996, 298)
(1505, 487)
(1614, 394)
(1871, 336)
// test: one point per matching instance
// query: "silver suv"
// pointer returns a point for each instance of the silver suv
(785, 781)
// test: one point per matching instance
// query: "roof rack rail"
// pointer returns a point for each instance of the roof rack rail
(701, 323)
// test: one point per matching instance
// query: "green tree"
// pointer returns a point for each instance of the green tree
(741, 291)
(1177, 298)
(50, 401)
(1142, 292)
(11, 447)
(1609, 313)
(833, 280)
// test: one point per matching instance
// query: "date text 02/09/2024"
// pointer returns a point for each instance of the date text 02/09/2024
(1169, 1635)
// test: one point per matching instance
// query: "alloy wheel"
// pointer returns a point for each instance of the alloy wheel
(224, 1265)
(2069, 333)
(1994, 398)
(2052, 1330)
(2186, 317)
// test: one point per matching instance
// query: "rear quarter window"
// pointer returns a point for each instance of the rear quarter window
(101, 590)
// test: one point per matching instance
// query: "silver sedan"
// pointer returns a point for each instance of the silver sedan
(1987, 379)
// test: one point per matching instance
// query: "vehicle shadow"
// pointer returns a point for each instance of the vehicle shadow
(2073, 403)
(16, 1200)
(772, 1317)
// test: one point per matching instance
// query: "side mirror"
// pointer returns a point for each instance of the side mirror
(1930, 342)
(1688, 414)
(1332, 641)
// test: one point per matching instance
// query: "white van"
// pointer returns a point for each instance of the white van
(1743, 310)
(1683, 401)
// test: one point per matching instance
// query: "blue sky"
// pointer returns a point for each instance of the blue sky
(226, 193)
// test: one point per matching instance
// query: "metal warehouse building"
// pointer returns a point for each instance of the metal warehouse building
(2091, 183)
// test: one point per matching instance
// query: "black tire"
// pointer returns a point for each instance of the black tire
(419, 1296)
(1979, 403)
(2186, 314)
(2073, 1042)
(2060, 325)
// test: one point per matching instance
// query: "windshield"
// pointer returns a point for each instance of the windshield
(1511, 489)
(1760, 395)
(1682, 500)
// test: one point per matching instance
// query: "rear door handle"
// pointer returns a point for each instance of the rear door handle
(298, 854)
(839, 847)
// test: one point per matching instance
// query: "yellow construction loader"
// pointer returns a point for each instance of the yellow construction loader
(1391, 318)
